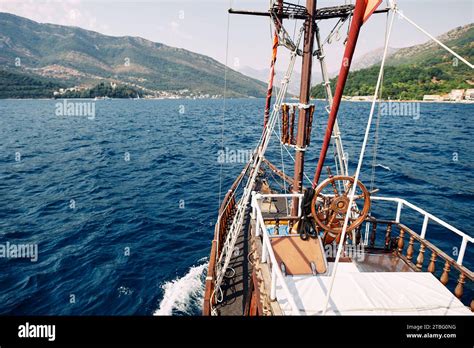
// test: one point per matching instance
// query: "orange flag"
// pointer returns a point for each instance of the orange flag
(370, 8)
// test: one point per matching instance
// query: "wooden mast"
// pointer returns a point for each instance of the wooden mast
(305, 86)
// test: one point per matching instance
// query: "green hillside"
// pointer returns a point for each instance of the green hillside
(415, 71)
(74, 56)
(16, 85)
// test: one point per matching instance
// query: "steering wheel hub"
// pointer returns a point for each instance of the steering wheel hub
(329, 209)
(340, 204)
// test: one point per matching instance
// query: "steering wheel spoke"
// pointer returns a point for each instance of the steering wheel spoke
(348, 189)
(329, 211)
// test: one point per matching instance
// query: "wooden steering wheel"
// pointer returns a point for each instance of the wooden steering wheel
(330, 205)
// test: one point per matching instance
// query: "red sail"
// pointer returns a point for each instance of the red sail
(362, 11)
(270, 79)
(272, 66)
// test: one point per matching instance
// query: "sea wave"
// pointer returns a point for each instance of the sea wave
(384, 167)
(184, 295)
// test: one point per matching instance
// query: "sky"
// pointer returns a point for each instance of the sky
(201, 25)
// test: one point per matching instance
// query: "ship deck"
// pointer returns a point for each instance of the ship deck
(370, 281)
(383, 281)
(235, 290)
(376, 260)
(371, 293)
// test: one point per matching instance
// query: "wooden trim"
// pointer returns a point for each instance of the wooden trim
(256, 292)
(436, 254)
(278, 172)
(408, 262)
(206, 310)
(253, 305)
(226, 210)
(439, 252)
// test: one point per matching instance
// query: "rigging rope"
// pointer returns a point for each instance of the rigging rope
(296, 21)
(224, 101)
(293, 159)
(341, 167)
(282, 165)
(376, 141)
(270, 84)
(359, 166)
(223, 127)
(377, 124)
(400, 13)
(257, 158)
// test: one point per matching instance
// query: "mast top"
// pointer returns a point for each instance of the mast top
(293, 11)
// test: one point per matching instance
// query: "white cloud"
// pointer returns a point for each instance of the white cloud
(65, 12)
(175, 28)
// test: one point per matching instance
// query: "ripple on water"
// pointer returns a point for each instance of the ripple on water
(130, 243)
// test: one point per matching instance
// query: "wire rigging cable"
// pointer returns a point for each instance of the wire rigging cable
(255, 163)
(377, 123)
(223, 122)
(224, 107)
(359, 166)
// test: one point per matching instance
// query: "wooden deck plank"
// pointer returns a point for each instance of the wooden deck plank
(382, 263)
(236, 289)
(297, 254)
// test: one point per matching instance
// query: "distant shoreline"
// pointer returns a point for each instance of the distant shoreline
(408, 101)
(318, 99)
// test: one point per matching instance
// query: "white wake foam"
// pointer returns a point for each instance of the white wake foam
(384, 167)
(184, 295)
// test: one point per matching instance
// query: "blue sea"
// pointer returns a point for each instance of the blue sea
(122, 205)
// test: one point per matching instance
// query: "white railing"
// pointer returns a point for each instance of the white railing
(427, 217)
(267, 251)
(269, 256)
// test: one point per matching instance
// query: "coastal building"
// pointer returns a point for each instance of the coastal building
(362, 98)
(469, 95)
(456, 95)
(432, 97)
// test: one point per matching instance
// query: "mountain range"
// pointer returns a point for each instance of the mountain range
(294, 84)
(37, 60)
(36, 56)
(412, 72)
(366, 60)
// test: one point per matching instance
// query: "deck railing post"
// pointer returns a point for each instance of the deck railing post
(399, 211)
(445, 276)
(372, 235)
(410, 248)
(425, 226)
(264, 250)
(421, 257)
(300, 203)
(358, 235)
(462, 251)
(401, 242)
(388, 236)
(366, 235)
(273, 286)
(432, 265)
(254, 209)
(459, 290)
